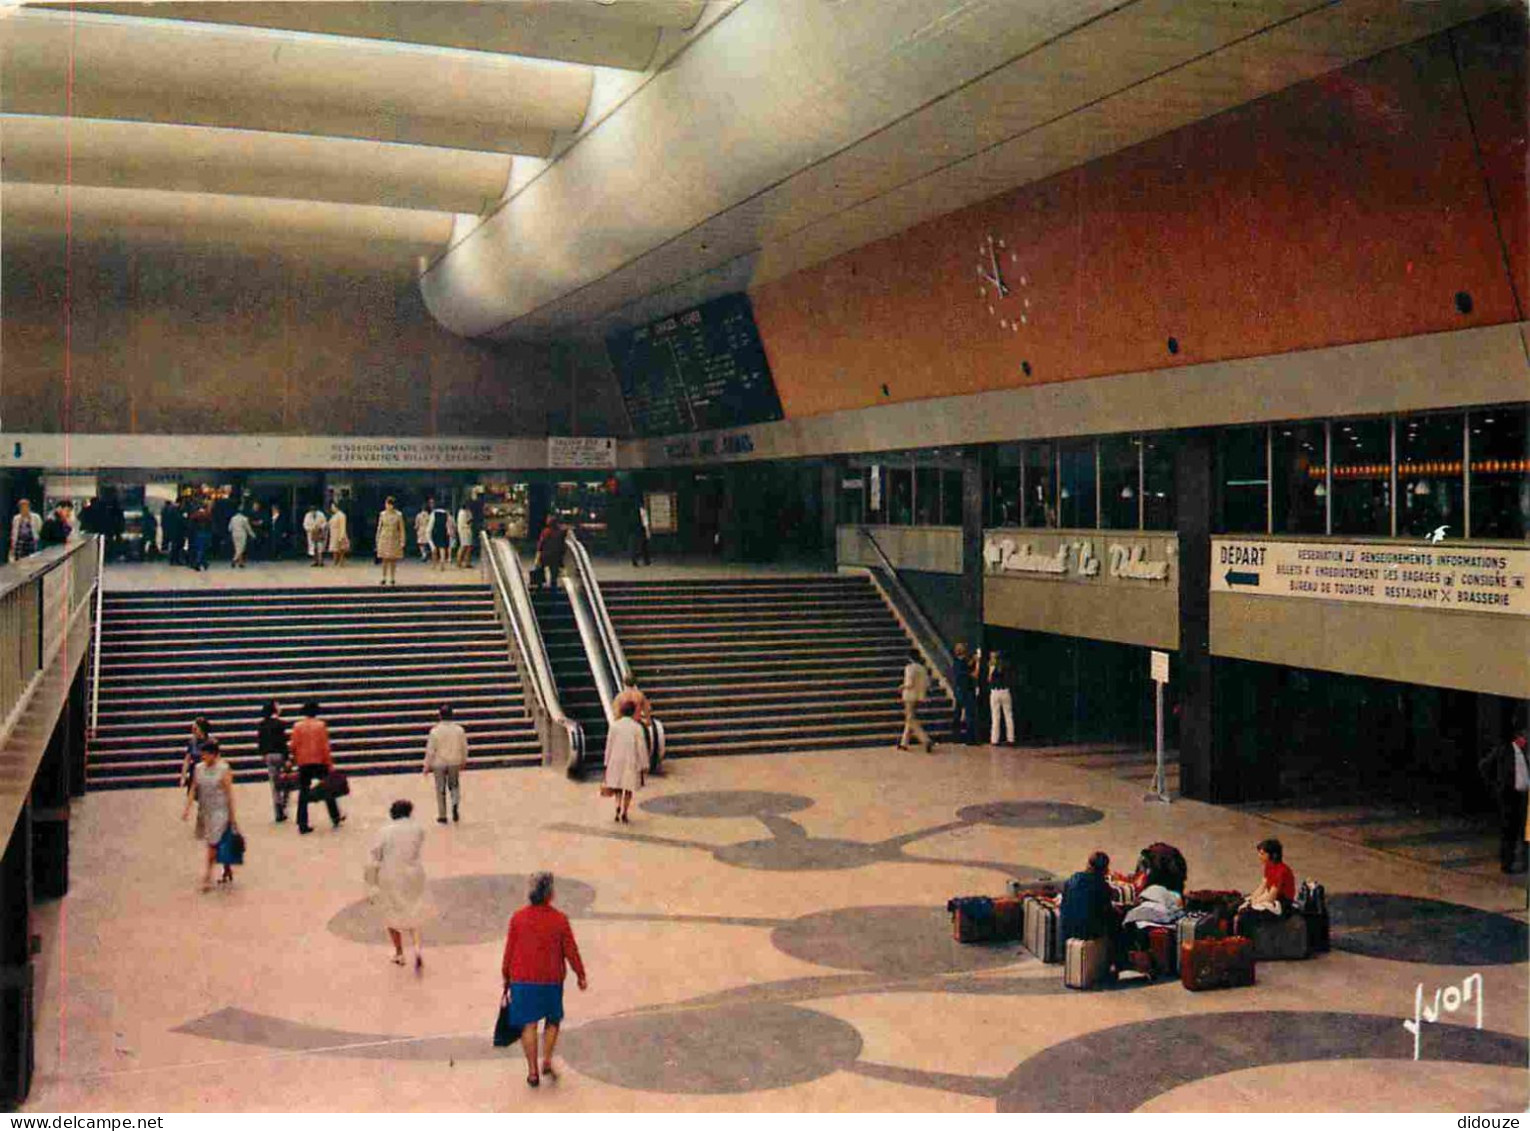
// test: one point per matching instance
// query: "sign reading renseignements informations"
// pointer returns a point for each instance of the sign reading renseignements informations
(701, 369)
(1477, 579)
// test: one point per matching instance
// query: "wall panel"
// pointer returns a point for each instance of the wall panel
(1348, 209)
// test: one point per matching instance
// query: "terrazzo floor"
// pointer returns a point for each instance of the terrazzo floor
(767, 934)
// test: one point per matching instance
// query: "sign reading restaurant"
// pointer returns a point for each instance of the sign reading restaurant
(1071, 557)
(1479, 579)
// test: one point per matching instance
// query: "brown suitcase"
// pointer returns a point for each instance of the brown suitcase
(1216, 964)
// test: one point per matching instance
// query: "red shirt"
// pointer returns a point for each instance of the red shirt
(1282, 879)
(309, 743)
(539, 942)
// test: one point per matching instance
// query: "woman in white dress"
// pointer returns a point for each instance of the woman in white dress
(464, 536)
(240, 533)
(398, 874)
(626, 758)
(422, 532)
(339, 536)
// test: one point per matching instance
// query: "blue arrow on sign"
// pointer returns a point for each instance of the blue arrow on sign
(1233, 577)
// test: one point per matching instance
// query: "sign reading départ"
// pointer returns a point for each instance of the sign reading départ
(1477, 579)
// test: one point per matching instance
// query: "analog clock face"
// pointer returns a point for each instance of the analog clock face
(1002, 287)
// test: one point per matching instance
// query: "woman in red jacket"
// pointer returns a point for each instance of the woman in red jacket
(539, 943)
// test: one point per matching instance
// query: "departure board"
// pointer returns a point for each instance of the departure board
(701, 369)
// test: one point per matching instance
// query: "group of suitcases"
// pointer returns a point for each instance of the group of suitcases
(1211, 947)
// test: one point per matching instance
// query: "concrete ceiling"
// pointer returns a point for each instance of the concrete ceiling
(792, 131)
(575, 166)
(299, 129)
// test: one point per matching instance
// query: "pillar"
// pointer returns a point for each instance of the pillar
(830, 475)
(50, 813)
(1193, 488)
(16, 1007)
(974, 471)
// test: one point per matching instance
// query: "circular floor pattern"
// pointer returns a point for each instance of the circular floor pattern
(465, 910)
(894, 941)
(1170, 1052)
(1030, 814)
(727, 803)
(725, 1051)
(802, 854)
(1410, 929)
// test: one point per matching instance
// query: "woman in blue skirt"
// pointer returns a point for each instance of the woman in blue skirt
(538, 947)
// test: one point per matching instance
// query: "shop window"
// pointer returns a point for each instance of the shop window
(1002, 502)
(951, 497)
(1243, 460)
(1040, 488)
(900, 496)
(1431, 483)
(1298, 478)
(1500, 440)
(1119, 486)
(1361, 478)
(1157, 484)
(927, 496)
(1076, 485)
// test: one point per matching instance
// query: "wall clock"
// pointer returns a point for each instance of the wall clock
(1001, 287)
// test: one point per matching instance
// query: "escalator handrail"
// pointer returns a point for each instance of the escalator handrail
(531, 651)
(616, 658)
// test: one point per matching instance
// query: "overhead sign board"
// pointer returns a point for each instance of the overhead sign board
(1093, 557)
(581, 452)
(1476, 579)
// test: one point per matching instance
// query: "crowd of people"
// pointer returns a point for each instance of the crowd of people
(975, 679)
(539, 942)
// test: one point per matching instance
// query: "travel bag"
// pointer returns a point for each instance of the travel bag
(1222, 904)
(1276, 940)
(972, 919)
(1216, 964)
(1085, 963)
(1009, 918)
(1042, 929)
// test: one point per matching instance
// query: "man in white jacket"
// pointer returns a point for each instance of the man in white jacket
(446, 752)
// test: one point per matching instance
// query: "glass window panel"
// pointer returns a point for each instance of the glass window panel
(1118, 482)
(1075, 493)
(876, 494)
(951, 495)
(1362, 477)
(1431, 484)
(1241, 456)
(1040, 488)
(852, 500)
(1501, 472)
(1002, 506)
(1157, 484)
(927, 496)
(1297, 451)
(900, 496)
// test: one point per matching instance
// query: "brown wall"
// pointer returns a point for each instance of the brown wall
(188, 344)
(1348, 209)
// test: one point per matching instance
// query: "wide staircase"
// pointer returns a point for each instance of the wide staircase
(752, 666)
(378, 661)
(577, 693)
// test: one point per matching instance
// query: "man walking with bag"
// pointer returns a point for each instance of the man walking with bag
(309, 744)
(446, 752)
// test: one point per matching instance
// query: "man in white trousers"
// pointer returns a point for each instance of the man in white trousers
(916, 681)
(1001, 699)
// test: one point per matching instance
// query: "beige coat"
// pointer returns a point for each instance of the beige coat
(390, 535)
(626, 755)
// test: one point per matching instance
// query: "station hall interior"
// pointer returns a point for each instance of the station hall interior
(1159, 369)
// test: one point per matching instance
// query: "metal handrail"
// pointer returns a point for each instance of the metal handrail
(562, 738)
(615, 657)
(95, 638)
(908, 609)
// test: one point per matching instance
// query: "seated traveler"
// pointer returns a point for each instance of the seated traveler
(1273, 898)
(1086, 911)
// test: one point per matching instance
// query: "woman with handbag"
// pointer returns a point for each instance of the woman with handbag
(626, 758)
(213, 786)
(398, 874)
(539, 943)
